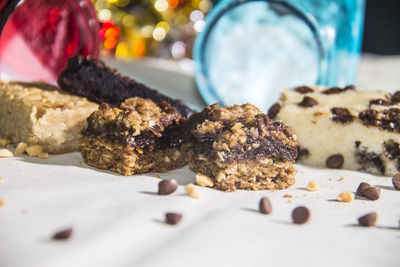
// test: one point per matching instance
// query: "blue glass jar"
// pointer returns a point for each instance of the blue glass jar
(252, 49)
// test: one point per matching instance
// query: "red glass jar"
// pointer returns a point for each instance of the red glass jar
(40, 35)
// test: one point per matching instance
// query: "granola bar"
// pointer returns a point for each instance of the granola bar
(134, 138)
(238, 147)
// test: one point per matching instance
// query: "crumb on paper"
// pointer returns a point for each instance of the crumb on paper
(313, 186)
(157, 175)
(2, 202)
(340, 179)
(287, 196)
(192, 191)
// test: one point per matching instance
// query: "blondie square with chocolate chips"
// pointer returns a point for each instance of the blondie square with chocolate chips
(239, 147)
(41, 114)
(134, 138)
(343, 127)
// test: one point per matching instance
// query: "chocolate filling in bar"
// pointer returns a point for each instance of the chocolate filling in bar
(99, 83)
(238, 147)
(134, 138)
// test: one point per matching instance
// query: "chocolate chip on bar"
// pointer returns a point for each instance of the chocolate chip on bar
(274, 110)
(372, 193)
(265, 206)
(308, 102)
(361, 188)
(63, 234)
(396, 181)
(301, 215)
(167, 186)
(173, 218)
(303, 89)
(341, 115)
(368, 219)
(335, 161)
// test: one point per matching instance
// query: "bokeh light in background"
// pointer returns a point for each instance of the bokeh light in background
(155, 28)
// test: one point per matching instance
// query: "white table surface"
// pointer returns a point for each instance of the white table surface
(118, 221)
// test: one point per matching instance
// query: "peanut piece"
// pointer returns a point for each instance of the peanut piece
(34, 151)
(345, 197)
(5, 153)
(20, 149)
(192, 191)
(43, 155)
(313, 186)
(203, 180)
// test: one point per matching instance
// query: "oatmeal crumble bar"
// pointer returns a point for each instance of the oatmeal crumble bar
(344, 127)
(99, 83)
(238, 147)
(133, 138)
(40, 114)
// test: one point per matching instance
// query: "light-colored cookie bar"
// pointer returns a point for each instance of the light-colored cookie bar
(343, 127)
(40, 114)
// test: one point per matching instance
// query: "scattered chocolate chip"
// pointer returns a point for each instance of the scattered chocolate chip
(396, 181)
(274, 110)
(265, 206)
(396, 97)
(342, 115)
(167, 186)
(335, 161)
(63, 234)
(372, 192)
(173, 218)
(332, 90)
(368, 219)
(361, 188)
(350, 87)
(379, 101)
(301, 215)
(303, 89)
(308, 102)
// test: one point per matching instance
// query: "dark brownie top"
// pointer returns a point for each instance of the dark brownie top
(99, 83)
(241, 132)
(137, 122)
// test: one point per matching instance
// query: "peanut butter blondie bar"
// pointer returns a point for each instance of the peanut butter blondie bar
(238, 147)
(134, 138)
(344, 127)
(40, 114)
(99, 83)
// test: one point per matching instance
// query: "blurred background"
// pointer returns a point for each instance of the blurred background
(166, 28)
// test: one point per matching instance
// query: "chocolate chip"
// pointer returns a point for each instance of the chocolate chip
(301, 215)
(368, 219)
(396, 181)
(396, 97)
(302, 152)
(379, 101)
(335, 161)
(173, 218)
(372, 193)
(303, 89)
(308, 102)
(63, 234)
(332, 90)
(361, 188)
(167, 186)
(342, 115)
(357, 143)
(265, 206)
(392, 149)
(274, 110)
